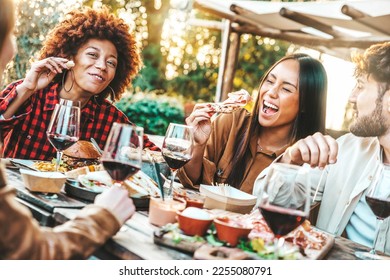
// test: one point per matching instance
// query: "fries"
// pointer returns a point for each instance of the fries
(48, 166)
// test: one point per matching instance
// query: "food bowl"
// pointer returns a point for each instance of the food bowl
(227, 198)
(194, 199)
(194, 221)
(45, 182)
(231, 231)
(162, 212)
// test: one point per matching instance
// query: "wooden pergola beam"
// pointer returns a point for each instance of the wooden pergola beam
(310, 22)
(247, 24)
(359, 16)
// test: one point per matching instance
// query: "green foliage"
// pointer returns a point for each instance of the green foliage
(152, 111)
(34, 20)
(256, 55)
(151, 76)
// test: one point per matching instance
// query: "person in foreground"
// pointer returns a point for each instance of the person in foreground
(21, 237)
(87, 57)
(356, 161)
(234, 148)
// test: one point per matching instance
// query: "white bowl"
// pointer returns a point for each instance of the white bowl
(227, 198)
(46, 182)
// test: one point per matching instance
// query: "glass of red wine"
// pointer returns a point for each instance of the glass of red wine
(122, 155)
(378, 199)
(177, 151)
(284, 200)
(64, 127)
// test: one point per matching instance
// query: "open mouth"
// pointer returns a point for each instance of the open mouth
(98, 77)
(269, 108)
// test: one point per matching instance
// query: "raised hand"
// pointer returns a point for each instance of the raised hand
(200, 121)
(116, 199)
(43, 72)
(318, 150)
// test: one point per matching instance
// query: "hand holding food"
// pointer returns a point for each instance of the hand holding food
(42, 72)
(200, 121)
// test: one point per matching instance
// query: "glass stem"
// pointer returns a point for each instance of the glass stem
(379, 224)
(170, 190)
(59, 157)
(278, 244)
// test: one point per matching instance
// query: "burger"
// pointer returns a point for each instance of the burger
(82, 153)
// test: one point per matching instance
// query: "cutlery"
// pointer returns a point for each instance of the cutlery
(96, 145)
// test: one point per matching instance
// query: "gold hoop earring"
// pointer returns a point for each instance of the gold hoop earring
(63, 80)
(112, 95)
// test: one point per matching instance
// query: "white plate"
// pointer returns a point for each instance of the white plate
(27, 163)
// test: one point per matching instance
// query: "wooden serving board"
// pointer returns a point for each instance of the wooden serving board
(169, 240)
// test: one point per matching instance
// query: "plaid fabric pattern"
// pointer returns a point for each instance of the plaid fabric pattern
(24, 135)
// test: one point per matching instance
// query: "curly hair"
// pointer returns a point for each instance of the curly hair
(374, 61)
(84, 24)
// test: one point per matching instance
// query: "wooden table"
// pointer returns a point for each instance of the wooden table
(135, 239)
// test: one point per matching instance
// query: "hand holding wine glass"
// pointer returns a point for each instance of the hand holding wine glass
(378, 199)
(284, 200)
(122, 155)
(177, 150)
(64, 128)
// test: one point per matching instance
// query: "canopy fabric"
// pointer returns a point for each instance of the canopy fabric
(333, 27)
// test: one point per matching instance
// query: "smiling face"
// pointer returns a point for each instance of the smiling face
(95, 66)
(279, 95)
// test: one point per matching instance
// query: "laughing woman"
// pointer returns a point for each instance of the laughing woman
(89, 56)
(235, 148)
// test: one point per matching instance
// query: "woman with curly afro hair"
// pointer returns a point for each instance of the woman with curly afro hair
(88, 57)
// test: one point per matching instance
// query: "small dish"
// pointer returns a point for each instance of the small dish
(230, 231)
(194, 221)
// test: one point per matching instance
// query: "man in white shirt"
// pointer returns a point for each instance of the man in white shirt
(356, 161)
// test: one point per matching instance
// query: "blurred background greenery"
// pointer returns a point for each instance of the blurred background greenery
(180, 60)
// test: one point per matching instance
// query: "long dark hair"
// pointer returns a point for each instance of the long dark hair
(310, 118)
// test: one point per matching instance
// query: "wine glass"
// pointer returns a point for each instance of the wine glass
(284, 200)
(122, 154)
(64, 128)
(176, 150)
(378, 199)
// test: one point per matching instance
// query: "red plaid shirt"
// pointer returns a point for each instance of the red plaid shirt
(24, 135)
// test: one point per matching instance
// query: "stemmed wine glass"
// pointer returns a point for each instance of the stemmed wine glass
(122, 155)
(64, 127)
(284, 200)
(176, 150)
(378, 199)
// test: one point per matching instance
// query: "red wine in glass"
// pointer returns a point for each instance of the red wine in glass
(120, 171)
(61, 142)
(284, 200)
(63, 130)
(176, 160)
(122, 155)
(379, 202)
(177, 151)
(281, 220)
(380, 207)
